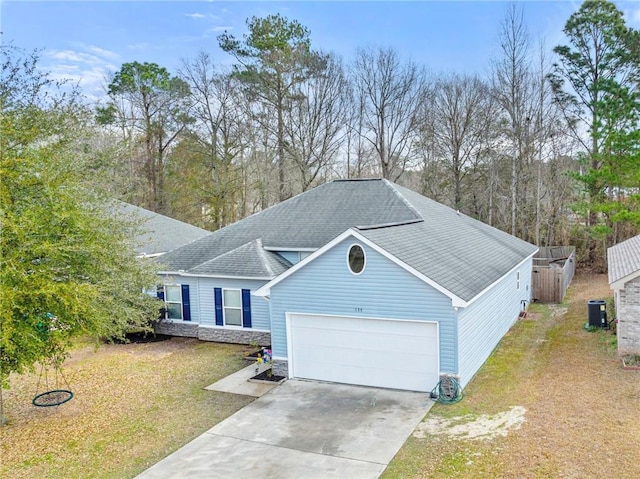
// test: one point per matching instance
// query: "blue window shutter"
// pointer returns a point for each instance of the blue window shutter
(163, 311)
(246, 308)
(218, 298)
(186, 306)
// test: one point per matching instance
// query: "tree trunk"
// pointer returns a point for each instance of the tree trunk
(538, 194)
(281, 166)
(2, 420)
(514, 188)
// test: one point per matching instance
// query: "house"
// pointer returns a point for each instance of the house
(356, 281)
(157, 233)
(624, 279)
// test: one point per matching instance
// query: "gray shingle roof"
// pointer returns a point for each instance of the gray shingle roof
(250, 260)
(157, 233)
(308, 220)
(624, 259)
(461, 254)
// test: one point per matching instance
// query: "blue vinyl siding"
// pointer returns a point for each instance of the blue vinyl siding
(201, 299)
(292, 257)
(383, 290)
(482, 325)
(193, 293)
(259, 306)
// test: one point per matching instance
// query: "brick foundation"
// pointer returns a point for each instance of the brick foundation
(218, 335)
(281, 367)
(236, 336)
(177, 329)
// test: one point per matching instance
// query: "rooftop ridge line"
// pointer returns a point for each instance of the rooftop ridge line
(402, 198)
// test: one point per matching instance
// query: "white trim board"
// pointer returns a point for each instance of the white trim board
(214, 276)
(619, 284)
(277, 249)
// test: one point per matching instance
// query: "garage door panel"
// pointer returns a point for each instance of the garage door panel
(363, 339)
(354, 375)
(348, 353)
(367, 325)
(348, 357)
(372, 352)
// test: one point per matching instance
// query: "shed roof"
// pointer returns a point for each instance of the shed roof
(463, 255)
(624, 259)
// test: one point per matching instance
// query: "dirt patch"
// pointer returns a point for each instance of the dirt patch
(468, 427)
(558, 310)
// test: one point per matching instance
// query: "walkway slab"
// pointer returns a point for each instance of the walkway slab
(303, 429)
(238, 382)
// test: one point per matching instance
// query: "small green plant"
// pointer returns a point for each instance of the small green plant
(631, 360)
(611, 309)
(609, 340)
(590, 329)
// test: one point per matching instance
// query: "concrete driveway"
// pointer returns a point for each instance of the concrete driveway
(302, 429)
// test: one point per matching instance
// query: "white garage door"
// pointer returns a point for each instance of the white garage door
(370, 352)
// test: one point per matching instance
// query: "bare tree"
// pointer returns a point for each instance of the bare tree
(314, 129)
(512, 90)
(217, 107)
(391, 93)
(462, 113)
(359, 153)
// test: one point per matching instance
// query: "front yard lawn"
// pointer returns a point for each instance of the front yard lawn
(580, 408)
(134, 404)
(552, 401)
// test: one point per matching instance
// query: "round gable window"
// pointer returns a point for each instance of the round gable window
(356, 259)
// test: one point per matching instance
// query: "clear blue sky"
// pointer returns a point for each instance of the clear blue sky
(86, 40)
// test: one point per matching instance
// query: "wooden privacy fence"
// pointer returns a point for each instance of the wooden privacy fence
(553, 269)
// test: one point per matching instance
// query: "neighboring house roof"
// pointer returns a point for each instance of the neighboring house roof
(624, 261)
(158, 233)
(462, 255)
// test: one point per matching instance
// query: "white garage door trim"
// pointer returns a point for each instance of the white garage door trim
(423, 360)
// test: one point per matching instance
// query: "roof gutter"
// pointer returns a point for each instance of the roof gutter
(277, 249)
(219, 276)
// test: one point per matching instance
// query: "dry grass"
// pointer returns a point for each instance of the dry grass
(133, 405)
(581, 417)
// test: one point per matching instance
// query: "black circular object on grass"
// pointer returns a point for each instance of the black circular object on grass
(52, 398)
